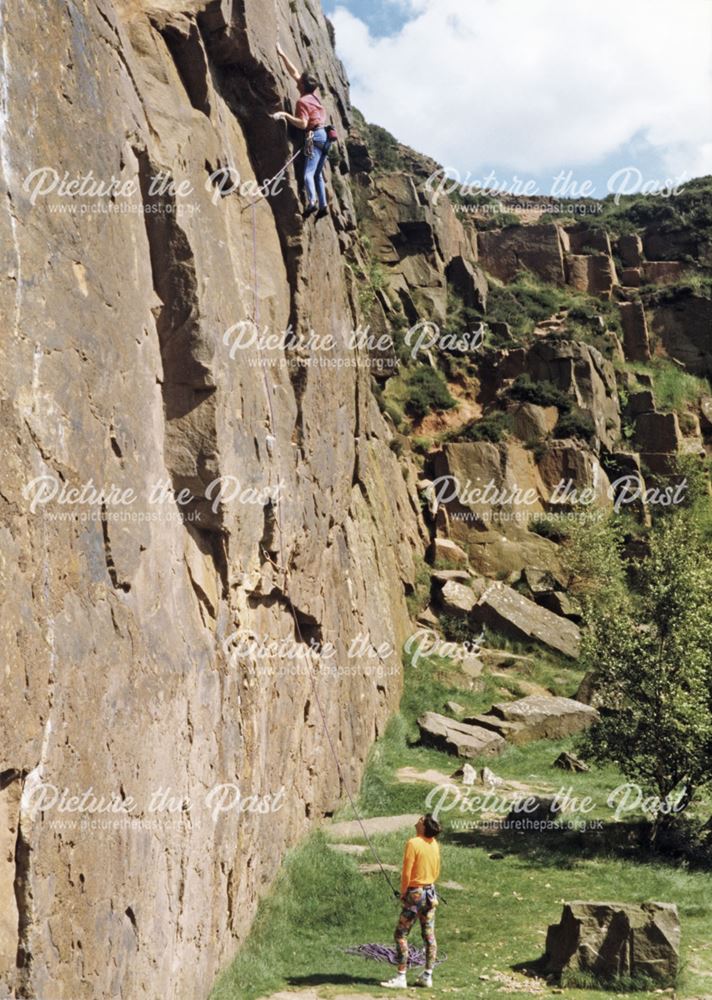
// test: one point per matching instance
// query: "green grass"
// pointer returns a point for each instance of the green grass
(674, 388)
(527, 300)
(321, 904)
(418, 599)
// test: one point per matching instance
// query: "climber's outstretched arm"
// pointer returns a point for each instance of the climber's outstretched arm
(286, 117)
(288, 64)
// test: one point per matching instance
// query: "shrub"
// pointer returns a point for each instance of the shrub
(492, 428)
(576, 423)
(522, 304)
(456, 628)
(553, 527)
(427, 390)
(525, 390)
(421, 445)
(384, 148)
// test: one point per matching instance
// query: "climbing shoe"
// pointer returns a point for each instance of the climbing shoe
(397, 983)
(323, 212)
(309, 210)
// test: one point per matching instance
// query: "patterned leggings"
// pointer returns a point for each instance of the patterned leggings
(418, 906)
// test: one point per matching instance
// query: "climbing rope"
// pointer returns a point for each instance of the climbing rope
(386, 953)
(284, 568)
(268, 183)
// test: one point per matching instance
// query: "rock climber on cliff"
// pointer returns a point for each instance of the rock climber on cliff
(311, 117)
(421, 869)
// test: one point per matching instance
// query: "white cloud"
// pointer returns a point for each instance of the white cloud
(539, 85)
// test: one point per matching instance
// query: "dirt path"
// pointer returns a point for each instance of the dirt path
(376, 824)
(311, 995)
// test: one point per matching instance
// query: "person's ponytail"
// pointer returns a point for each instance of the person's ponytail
(432, 827)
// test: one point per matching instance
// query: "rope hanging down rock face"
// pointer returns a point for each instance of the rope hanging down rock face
(266, 185)
(284, 568)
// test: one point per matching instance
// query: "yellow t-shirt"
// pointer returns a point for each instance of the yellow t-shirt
(421, 862)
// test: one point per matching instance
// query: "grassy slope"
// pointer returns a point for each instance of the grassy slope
(322, 903)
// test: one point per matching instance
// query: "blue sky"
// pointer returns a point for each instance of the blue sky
(618, 93)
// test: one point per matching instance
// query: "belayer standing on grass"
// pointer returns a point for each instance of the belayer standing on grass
(311, 116)
(421, 869)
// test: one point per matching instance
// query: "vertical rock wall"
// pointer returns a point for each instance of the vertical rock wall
(115, 372)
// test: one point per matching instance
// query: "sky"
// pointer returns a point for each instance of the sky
(615, 94)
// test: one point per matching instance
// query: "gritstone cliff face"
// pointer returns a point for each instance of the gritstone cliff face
(266, 502)
(115, 373)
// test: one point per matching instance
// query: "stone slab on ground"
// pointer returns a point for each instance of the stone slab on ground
(455, 737)
(545, 717)
(494, 723)
(505, 609)
(374, 824)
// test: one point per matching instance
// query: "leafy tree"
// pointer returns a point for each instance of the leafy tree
(651, 651)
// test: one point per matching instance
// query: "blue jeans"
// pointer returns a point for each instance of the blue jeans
(314, 169)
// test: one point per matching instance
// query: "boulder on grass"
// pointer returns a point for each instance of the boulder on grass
(489, 779)
(616, 939)
(457, 599)
(509, 730)
(541, 717)
(505, 610)
(455, 707)
(467, 774)
(570, 762)
(458, 738)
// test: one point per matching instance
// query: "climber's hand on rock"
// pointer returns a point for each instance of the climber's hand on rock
(278, 116)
